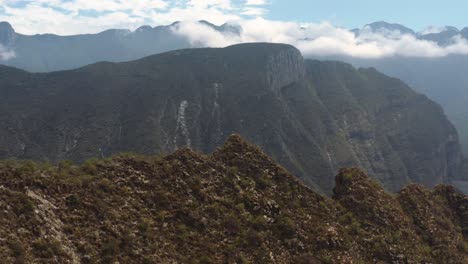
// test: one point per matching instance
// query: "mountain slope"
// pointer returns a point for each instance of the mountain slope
(442, 79)
(312, 117)
(235, 205)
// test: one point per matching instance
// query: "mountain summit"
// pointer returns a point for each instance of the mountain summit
(383, 27)
(312, 117)
(7, 34)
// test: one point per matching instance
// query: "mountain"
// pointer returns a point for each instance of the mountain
(312, 117)
(233, 206)
(385, 27)
(48, 52)
(442, 37)
(442, 79)
(7, 35)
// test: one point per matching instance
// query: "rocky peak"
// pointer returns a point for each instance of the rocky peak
(353, 181)
(464, 32)
(284, 68)
(382, 26)
(144, 28)
(279, 64)
(238, 152)
(229, 28)
(7, 34)
(367, 200)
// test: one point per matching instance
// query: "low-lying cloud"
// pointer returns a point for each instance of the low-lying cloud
(6, 54)
(322, 39)
(69, 17)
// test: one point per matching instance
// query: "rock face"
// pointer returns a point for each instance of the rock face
(233, 206)
(312, 117)
(7, 34)
(442, 79)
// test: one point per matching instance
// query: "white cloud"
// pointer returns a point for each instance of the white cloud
(202, 35)
(432, 30)
(68, 17)
(324, 39)
(6, 54)
(65, 17)
(254, 11)
(223, 4)
(255, 2)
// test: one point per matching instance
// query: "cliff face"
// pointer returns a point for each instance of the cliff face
(391, 129)
(7, 34)
(284, 68)
(312, 117)
(235, 205)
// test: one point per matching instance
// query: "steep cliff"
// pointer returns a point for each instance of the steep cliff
(312, 117)
(7, 34)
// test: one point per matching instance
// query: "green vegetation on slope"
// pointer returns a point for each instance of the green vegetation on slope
(235, 205)
(311, 117)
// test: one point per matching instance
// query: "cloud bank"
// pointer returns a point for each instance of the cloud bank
(67, 17)
(322, 39)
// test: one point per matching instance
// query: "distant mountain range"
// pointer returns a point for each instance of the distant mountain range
(312, 117)
(443, 79)
(48, 52)
(442, 36)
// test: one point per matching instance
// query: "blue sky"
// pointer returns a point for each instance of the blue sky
(416, 14)
(89, 16)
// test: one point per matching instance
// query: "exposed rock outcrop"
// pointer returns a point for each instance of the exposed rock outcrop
(7, 34)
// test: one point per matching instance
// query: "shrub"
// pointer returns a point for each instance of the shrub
(309, 258)
(17, 249)
(232, 224)
(262, 182)
(253, 239)
(109, 251)
(22, 205)
(285, 227)
(90, 166)
(144, 226)
(72, 201)
(47, 248)
(202, 260)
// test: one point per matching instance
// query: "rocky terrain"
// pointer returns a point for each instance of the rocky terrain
(442, 79)
(235, 205)
(312, 117)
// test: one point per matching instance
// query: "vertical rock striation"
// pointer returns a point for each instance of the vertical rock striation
(312, 117)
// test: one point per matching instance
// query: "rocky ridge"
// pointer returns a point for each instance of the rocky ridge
(235, 205)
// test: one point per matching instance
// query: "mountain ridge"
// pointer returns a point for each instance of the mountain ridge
(312, 117)
(234, 205)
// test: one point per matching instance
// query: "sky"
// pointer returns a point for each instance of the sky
(416, 14)
(315, 27)
(67, 17)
